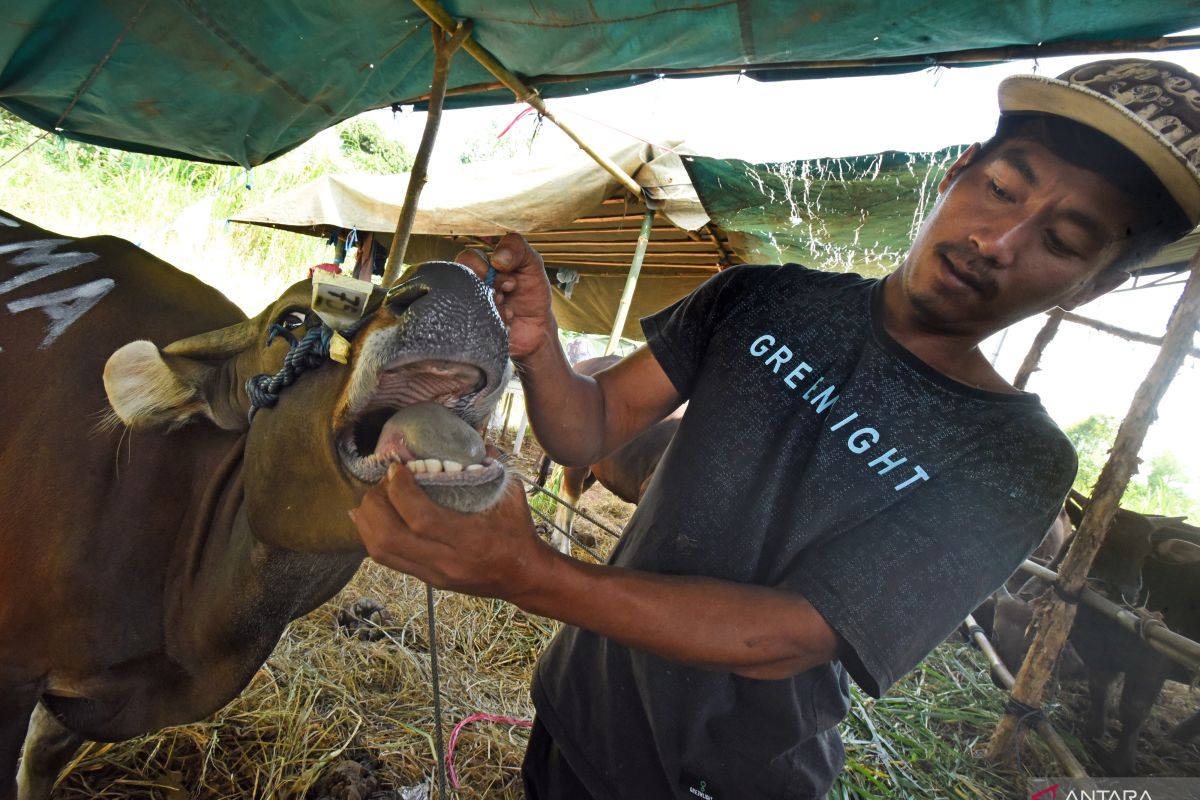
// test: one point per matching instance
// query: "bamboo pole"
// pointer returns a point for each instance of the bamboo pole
(523, 92)
(1071, 766)
(1180, 649)
(445, 43)
(1053, 619)
(1123, 333)
(1030, 364)
(635, 269)
(986, 55)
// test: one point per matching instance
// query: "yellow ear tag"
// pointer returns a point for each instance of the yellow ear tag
(339, 348)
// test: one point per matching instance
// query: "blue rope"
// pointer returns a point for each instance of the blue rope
(491, 275)
(309, 353)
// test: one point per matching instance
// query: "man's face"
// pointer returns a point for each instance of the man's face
(1014, 233)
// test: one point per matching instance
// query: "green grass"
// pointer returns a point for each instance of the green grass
(175, 209)
(926, 737)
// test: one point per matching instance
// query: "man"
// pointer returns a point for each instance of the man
(850, 479)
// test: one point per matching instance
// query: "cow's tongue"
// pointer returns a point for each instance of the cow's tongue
(428, 430)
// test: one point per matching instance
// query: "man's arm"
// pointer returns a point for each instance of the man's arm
(753, 631)
(578, 419)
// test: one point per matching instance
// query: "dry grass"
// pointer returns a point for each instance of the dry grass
(323, 698)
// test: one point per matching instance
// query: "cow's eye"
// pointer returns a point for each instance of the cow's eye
(293, 319)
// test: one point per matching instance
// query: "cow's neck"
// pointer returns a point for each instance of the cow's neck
(234, 592)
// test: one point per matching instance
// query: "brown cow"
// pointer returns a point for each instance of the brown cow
(1145, 561)
(626, 472)
(146, 573)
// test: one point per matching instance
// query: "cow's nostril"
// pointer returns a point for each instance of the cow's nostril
(401, 297)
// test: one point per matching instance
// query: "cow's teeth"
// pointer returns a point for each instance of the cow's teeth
(433, 465)
(417, 465)
(452, 466)
(474, 467)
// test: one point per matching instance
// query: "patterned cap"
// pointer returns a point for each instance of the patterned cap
(1152, 108)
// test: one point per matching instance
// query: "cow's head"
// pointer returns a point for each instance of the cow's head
(1131, 540)
(425, 372)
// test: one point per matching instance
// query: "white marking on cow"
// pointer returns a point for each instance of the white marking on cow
(41, 252)
(64, 307)
(10, 223)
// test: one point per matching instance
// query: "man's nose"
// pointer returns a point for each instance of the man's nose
(1000, 238)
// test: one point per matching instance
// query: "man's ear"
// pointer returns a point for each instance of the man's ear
(1102, 284)
(965, 160)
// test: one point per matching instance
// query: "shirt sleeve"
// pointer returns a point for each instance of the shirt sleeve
(679, 334)
(897, 585)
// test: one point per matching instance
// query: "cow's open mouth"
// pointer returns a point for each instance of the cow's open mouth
(420, 415)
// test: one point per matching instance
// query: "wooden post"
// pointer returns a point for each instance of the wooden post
(1121, 333)
(1054, 618)
(1071, 766)
(524, 94)
(635, 268)
(1030, 364)
(444, 46)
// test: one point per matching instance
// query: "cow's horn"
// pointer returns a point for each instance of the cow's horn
(218, 343)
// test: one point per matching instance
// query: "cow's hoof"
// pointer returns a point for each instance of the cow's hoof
(367, 620)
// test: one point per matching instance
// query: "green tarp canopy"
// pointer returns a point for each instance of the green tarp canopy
(242, 82)
(856, 214)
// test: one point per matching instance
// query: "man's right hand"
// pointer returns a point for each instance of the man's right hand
(522, 293)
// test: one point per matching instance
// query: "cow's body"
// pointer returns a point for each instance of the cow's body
(1145, 561)
(626, 472)
(147, 572)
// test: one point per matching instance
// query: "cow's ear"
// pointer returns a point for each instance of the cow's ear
(1177, 551)
(147, 387)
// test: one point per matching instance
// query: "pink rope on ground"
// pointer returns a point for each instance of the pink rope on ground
(524, 723)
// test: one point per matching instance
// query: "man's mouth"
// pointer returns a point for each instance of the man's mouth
(962, 275)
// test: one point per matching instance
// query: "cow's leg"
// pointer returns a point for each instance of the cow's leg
(48, 748)
(16, 706)
(1098, 683)
(569, 490)
(1137, 698)
(1186, 730)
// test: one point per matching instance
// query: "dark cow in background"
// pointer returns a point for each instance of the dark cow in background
(147, 571)
(1147, 562)
(626, 472)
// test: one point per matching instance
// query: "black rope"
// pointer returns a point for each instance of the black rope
(1026, 715)
(1070, 598)
(309, 353)
(437, 693)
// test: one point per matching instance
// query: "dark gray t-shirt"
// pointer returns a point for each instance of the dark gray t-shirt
(816, 456)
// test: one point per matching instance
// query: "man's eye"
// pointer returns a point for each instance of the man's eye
(1058, 247)
(997, 190)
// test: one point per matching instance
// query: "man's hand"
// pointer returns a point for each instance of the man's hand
(491, 554)
(522, 293)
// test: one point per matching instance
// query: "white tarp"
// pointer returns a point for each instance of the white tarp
(484, 199)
